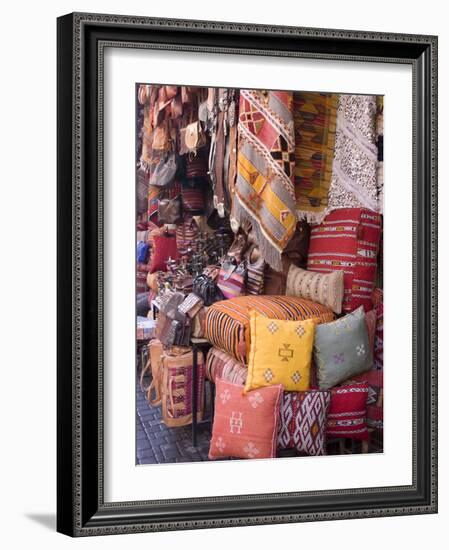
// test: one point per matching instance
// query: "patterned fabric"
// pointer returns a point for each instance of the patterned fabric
(354, 170)
(303, 422)
(255, 273)
(374, 377)
(264, 192)
(280, 353)
(176, 386)
(227, 322)
(245, 425)
(231, 280)
(341, 349)
(348, 240)
(380, 150)
(186, 236)
(347, 412)
(141, 277)
(324, 288)
(315, 118)
(221, 365)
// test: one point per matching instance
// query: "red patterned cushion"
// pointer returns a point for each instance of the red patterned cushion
(348, 240)
(245, 425)
(164, 248)
(347, 412)
(303, 421)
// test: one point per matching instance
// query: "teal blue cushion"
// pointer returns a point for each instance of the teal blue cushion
(342, 349)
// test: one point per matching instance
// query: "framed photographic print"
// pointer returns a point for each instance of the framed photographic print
(247, 292)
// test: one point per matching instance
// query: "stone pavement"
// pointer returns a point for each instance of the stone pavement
(157, 444)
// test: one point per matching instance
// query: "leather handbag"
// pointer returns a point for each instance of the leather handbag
(170, 210)
(161, 137)
(192, 138)
(193, 200)
(175, 386)
(206, 289)
(197, 166)
(165, 171)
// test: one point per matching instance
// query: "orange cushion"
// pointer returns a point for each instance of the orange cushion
(245, 425)
(227, 322)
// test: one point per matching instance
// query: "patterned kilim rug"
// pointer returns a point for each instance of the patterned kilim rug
(264, 193)
(354, 172)
(315, 116)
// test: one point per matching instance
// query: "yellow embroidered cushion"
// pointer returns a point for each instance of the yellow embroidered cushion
(280, 353)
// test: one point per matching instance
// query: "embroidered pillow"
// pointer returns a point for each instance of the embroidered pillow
(324, 288)
(348, 240)
(303, 421)
(245, 425)
(280, 353)
(164, 249)
(347, 412)
(342, 349)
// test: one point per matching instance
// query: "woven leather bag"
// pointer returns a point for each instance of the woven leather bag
(175, 387)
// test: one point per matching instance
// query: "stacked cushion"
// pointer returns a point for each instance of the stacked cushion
(303, 422)
(221, 365)
(227, 322)
(280, 353)
(324, 288)
(342, 349)
(245, 425)
(347, 412)
(348, 240)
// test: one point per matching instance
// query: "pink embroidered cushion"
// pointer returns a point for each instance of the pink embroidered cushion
(245, 425)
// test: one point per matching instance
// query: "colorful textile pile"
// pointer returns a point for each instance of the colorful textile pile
(315, 118)
(348, 240)
(227, 322)
(264, 192)
(354, 170)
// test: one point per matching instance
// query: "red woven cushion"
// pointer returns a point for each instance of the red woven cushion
(347, 412)
(245, 425)
(164, 248)
(348, 240)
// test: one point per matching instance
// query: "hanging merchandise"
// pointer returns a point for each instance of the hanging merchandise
(354, 171)
(255, 271)
(315, 118)
(264, 192)
(165, 172)
(170, 210)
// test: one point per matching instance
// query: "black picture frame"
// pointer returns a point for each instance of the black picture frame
(81, 509)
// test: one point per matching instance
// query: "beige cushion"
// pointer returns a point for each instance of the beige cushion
(325, 288)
